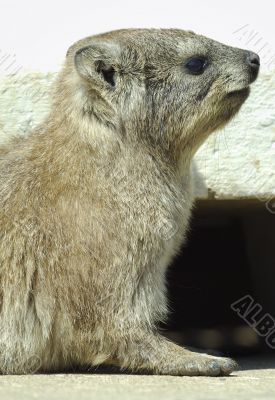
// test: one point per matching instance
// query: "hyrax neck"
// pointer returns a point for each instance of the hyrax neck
(97, 126)
(79, 145)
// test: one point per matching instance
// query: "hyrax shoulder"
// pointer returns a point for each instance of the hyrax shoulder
(95, 201)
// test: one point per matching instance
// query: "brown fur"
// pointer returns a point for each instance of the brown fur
(95, 203)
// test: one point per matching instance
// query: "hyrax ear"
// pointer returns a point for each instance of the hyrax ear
(98, 63)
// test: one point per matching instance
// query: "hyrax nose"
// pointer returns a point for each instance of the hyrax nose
(253, 62)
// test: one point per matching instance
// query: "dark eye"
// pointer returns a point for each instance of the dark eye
(196, 65)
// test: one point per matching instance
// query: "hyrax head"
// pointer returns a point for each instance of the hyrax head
(167, 86)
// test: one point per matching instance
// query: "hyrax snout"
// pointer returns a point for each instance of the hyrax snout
(95, 201)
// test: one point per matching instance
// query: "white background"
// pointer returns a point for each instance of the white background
(35, 35)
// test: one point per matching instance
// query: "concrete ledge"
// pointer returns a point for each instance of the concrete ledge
(239, 161)
(254, 381)
(236, 163)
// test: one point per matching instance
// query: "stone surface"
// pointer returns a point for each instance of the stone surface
(237, 162)
(256, 380)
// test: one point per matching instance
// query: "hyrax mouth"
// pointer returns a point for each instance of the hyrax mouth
(242, 93)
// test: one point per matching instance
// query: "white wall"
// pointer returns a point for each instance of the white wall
(35, 34)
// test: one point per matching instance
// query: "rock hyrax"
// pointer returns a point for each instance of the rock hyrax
(95, 202)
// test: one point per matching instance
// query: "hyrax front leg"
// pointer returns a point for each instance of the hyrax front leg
(158, 355)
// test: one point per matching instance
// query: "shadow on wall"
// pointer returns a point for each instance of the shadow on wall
(230, 254)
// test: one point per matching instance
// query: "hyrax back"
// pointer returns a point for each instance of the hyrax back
(95, 202)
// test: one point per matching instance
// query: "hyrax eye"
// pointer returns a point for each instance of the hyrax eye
(196, 65)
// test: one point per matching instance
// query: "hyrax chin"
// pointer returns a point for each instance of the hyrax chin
(95, 202)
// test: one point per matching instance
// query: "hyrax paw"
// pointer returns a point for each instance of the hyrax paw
(209, 366)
